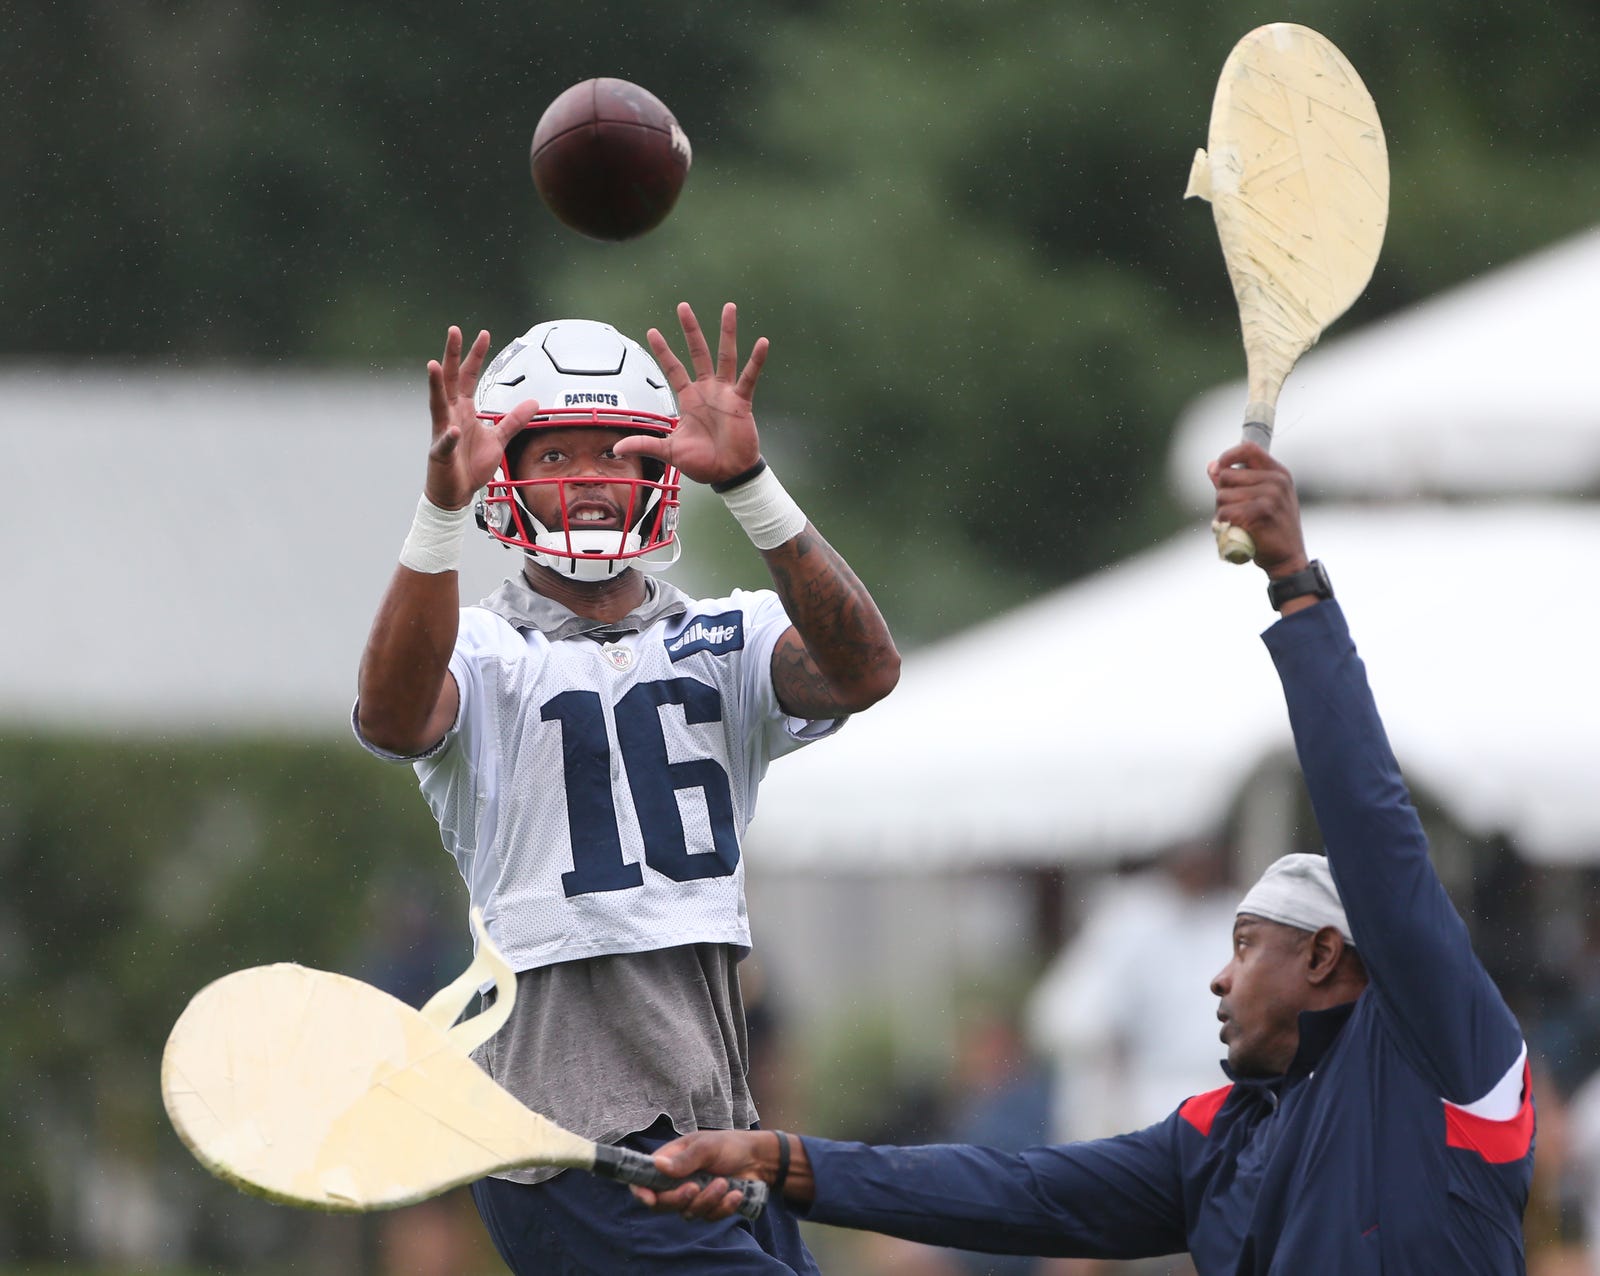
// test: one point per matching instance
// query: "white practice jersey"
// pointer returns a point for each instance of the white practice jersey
(595, 795)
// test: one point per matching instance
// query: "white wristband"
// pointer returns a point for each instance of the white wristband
(434, 544)
(767, 513)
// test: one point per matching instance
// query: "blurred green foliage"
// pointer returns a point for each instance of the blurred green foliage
(960, 222)
(137, 873)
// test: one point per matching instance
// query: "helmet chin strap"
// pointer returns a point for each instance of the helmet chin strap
(661, 564)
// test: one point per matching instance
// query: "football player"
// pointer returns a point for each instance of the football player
(590, 739)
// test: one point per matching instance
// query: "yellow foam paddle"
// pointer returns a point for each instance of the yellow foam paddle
(314, 1089)
(1298, 178)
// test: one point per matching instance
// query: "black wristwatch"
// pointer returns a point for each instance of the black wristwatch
(1312, 580)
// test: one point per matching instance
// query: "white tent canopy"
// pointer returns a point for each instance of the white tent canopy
(1492, 387)
(203, 551)
(1124, 713)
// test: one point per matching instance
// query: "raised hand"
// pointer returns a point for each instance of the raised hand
(1255, 491)
(465, 451)
(716, 436)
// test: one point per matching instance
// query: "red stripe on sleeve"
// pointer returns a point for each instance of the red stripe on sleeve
(1495, 1141)
(1202, 1110)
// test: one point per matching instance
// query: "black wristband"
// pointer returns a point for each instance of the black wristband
(739, 480)
(782, 1176)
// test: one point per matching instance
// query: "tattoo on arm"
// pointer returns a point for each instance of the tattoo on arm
(838, 658)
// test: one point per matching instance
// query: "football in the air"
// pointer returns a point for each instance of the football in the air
(609, 160)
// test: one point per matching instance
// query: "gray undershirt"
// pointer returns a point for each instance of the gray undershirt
(606, 1045)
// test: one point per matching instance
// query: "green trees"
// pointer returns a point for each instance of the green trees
(137, 872)
(959, 223)
(962, 227)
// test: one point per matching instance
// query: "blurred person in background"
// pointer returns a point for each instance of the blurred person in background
(998, 1095)
(1001, 1100)
(1124, 1035)
(1563, 1219)
(590, 740)
(1379, 1112)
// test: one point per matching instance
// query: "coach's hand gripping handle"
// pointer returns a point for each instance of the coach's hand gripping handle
(1234, 544)
(628, 1166)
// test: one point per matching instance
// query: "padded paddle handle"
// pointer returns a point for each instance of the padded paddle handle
(1234, 544)
(628, 1166)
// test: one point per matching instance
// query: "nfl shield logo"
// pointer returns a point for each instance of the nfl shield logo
(619, 658)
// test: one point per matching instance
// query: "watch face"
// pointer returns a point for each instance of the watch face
(1312, 581)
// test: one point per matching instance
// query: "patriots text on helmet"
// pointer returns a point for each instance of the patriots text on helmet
(583, 372)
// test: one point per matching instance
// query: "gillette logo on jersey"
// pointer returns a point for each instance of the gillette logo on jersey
(715, 634)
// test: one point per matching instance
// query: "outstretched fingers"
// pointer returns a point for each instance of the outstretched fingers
(726, 366)
(454, 376)
(451, 360)
(699, 351)
(746, 387)
(438, 397)
(728, 342)
(677, 374)
(728, 355)
(472, 365)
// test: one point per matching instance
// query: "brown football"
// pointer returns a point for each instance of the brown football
(609, 160)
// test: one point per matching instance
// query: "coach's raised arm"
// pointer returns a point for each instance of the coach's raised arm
(1376, 1114)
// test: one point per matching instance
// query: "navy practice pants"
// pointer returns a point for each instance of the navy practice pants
(578, 1224)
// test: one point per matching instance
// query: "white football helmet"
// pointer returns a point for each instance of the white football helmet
(582, 373)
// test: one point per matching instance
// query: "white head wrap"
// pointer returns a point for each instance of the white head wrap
(1298, 891)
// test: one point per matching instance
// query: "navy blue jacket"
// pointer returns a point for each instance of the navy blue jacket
(1366, 1156)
